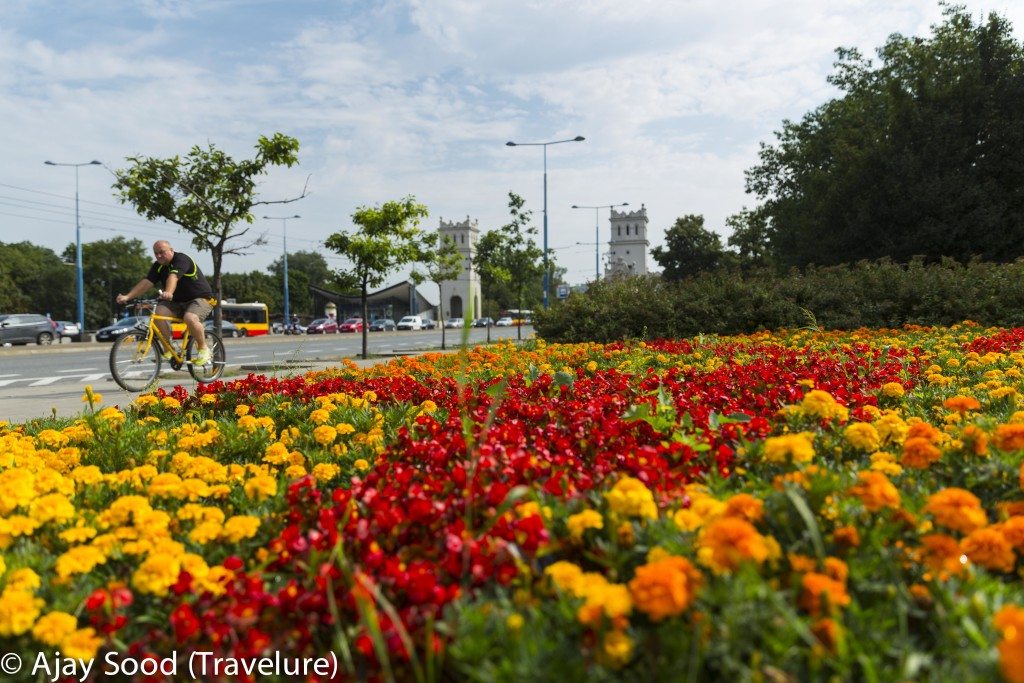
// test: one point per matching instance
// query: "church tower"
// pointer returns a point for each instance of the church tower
(461, 298)
(627, 248)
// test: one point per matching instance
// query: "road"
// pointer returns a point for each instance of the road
(39, 381)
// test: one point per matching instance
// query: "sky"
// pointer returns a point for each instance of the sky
(418, 97)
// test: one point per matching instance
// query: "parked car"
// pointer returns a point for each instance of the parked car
(26, 328)
(382, 325)
(483, 322)
(323, 326)
(454, 323)
(351, 325)
(411, 322)
(112, 332)
(227, 328)
(66, 328)
(504, 322)
(429, 324)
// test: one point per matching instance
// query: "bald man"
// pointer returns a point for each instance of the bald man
(185, 294)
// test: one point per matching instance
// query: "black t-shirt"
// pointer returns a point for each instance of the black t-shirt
(192, 283)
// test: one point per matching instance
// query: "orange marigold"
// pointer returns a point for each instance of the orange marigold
(665, 588)
(726, 543)
(961, 404)
(744, 506)
(846, 537)
(821, 590)
(923, 430)
(828, 632)
(975, 439)
(919, 452)
(956, 509)
(875, 491)
(942, 555)
(989, 548)
(1010, 621)
(1010, 437)
(1013, 531)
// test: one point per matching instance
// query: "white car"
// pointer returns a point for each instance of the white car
(454, 323)
(504, 322)
(411, 322)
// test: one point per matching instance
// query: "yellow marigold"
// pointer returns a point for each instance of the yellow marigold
(919, 453)
(563, 574)
(205, 532)
(344, 428)
(18, 611)
(1009, 437)
(319, 416)
(157, 574)
(796, 448)
(165, 484)
(261, 487)
(1010, 622)
(893, 390)
(78, 560)
(325, 471)
(240, 527)
(891, 428)
(325, 434)
(956, 509)
(819, 591)
(987, 547)
(54, 627)
(361, 464)
(170, 403)
(665, 588)
(54, 507)
(241, 410)
(616, 649)
(961, 404)
(863, 436)
(428, 406)
(875, 491)
(821, 404)
(631, 498)
(83, 644)
(18, 486)
(744, 506)
(23, 579)
(727, 542)
(601, 599)
(580, 522)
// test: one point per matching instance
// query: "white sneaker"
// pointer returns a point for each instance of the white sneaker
(203, 357)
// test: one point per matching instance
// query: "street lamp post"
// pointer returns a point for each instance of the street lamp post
(597, 233)
(80, 279)
(284, 234)
(578, 138)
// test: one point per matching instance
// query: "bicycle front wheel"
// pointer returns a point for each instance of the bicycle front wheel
(135, 362)
(212, 370)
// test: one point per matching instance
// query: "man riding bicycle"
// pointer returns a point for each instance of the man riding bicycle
(185, 294)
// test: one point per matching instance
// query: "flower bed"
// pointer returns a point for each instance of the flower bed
(790, 506)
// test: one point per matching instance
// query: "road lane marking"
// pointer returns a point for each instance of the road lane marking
(44, 381)
(77, 370)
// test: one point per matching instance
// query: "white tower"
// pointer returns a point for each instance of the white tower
(461, 298)
(627, 248)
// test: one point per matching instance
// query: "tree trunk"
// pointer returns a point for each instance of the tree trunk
(365, 307)
(440, 304)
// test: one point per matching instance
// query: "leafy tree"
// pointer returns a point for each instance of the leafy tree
(111, 266)
(387, 238)
(749, 238)
(34, 279)
(442, 262)
(919, 156)
(207, 194)
(509, 257)
(689, 249)
(305, 268)
(253, 286)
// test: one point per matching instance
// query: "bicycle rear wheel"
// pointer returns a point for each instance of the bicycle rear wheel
(134, 363)
(212, 370)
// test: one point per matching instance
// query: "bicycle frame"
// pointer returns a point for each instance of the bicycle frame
(177, 360)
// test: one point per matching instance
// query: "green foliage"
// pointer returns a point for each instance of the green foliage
(305, 268)
(728, 301)
(33, 279)
(689, 248)
(387, 237)
(111, 266)
(207, 194)
(919, 156)
(510, 262)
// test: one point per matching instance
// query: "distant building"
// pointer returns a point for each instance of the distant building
(461, 297)
(393, 302)
(627, 248)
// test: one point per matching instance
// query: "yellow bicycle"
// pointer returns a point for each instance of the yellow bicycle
(136, 356)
